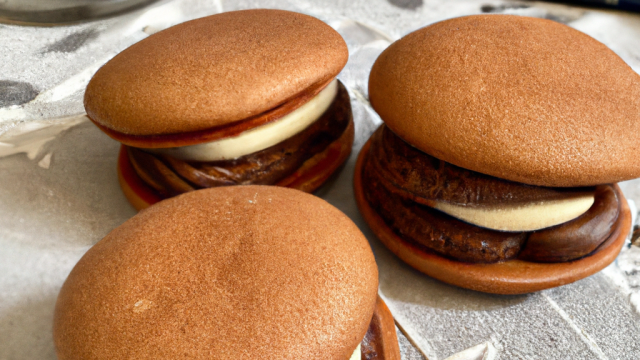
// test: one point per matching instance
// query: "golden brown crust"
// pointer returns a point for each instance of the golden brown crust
(509, 277)
(139, 194)
(308, 178)
(214, 71)
(522, 99)
(381, 341)
(240, 272)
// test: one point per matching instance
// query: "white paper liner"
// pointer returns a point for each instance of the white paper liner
(64, 196)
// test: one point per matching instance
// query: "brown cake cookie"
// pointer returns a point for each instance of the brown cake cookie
(226, 87)
(502, 142)
(523, 99)
(239, 272)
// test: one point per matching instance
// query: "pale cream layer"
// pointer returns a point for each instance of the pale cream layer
(259, 138)
(521, 217)
(357, 354)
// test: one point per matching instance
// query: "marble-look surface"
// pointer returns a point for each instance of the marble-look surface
(60, 194)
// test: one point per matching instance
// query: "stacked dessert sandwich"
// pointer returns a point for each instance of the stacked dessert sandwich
(502, 142)
(238, 98)
(243, 272)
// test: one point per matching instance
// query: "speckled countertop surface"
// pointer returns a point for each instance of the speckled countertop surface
(59, 192)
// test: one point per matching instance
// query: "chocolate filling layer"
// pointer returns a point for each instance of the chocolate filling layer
(579, 237)
(170, 176)
(435, 231)
(424, 177)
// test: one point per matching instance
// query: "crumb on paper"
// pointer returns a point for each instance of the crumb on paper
(45, 162)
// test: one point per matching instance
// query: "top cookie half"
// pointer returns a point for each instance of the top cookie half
(522, 99)
(213, 71)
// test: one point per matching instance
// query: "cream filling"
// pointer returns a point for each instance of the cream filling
(258, 138)
(357, 354)
(522, 217)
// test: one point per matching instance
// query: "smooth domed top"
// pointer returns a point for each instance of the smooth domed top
(523, 99)
(213, 71)
(242, 272)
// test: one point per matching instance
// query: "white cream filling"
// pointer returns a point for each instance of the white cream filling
(521, 217)
(357, 354)
(259, 138)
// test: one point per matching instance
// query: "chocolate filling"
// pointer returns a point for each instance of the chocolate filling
(424, 177)
(434, 230)
(170, 176)
(579, 237)
(385, 173)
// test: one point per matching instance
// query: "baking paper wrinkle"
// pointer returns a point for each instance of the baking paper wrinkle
(484, 351)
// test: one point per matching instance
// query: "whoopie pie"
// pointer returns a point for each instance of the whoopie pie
(237, 98)
(502, 141)
(240, 272)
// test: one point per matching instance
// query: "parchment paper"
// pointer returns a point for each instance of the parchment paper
(59, 193)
